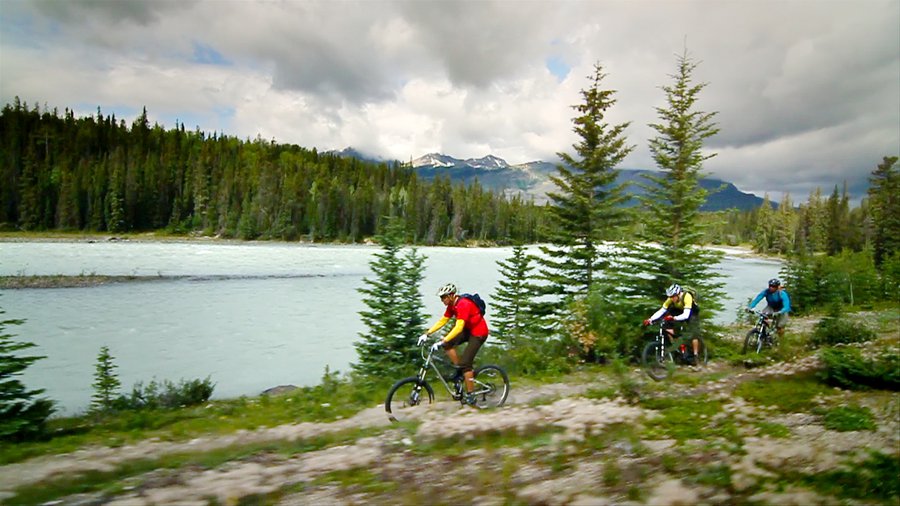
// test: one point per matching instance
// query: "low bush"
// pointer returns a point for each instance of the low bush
(531, 356)
(166, 394)
(846, 367)
(837, 329)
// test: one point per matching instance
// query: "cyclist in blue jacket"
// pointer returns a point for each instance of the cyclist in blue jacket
(778, 304)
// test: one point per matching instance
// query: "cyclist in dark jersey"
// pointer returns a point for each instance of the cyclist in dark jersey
(778, 304)
(470, 328)
(679, 306)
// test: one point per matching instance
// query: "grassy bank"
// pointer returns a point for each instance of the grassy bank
(758, 432)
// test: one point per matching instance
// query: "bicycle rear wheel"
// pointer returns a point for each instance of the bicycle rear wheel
(703, 357)
(657, 361)
(752, 342)
(406, 399)
(491, 386)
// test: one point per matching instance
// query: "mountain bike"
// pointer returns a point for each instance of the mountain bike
(760, 336)
(661, 355)
(408, 394)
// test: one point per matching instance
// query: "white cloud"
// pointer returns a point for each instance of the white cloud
(807, 93)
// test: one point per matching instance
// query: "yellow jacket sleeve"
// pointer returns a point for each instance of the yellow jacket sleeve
(443, 321)
(456, 330)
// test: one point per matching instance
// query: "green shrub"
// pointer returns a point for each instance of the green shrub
(847, 368)
(106, 382)
(167, 394)
(22, 413)
(875, 478)
(848, 418)
(817, 281)
(837, 329)
(530, 356)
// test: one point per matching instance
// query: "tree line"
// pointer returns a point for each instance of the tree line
(98, 174)
(821, 224)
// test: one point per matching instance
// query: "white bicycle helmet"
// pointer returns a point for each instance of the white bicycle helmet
(673, 290)
(448, 289)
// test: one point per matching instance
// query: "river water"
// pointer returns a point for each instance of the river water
(248, 315)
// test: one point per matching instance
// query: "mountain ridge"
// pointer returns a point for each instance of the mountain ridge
(531, 180)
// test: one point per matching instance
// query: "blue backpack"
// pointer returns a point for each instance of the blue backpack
(479, 302)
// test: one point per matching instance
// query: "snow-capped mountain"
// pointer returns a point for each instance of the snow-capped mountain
(489, 162)
(532, 180)
(433, 160)
(437, 160)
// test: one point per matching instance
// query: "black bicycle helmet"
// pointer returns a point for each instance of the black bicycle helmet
(774, 282)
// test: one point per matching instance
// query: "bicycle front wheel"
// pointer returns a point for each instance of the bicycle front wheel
(752, 343)
(406, 399)
(657, 361)
(491, 386)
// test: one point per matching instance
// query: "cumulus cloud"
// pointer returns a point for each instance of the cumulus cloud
(807, 93)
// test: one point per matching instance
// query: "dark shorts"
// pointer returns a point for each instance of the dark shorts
(468, 355)
(689, 328)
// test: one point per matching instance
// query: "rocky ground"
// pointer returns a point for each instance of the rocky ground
(562, 443)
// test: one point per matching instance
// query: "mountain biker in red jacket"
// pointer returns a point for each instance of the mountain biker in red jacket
(470, 328)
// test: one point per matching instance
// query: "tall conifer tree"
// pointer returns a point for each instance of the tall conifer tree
(512, 315)
(395, 315)
(885, 201)
(669, 249)
(586, 206)
(22, 414)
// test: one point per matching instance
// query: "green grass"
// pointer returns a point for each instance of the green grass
(533, 437)
(792, 394)
(718, 476)
(773, 430)
(849, 418)
(323, 403)
(689, 377)
(689, 418)
(358, 480)
(876, 478)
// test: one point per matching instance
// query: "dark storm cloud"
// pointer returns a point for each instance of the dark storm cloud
(137, 11)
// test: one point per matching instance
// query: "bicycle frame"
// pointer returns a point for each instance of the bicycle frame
(458, 390)
(663, 337)
(429, 362)
(762, 325)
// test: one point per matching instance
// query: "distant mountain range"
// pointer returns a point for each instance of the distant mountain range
(532, 179)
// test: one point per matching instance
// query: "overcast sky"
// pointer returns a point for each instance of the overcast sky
(807, 92)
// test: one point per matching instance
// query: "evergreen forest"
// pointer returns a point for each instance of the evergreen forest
(98, 174)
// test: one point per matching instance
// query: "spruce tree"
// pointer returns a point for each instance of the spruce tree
(395, 315)
(669, 248)
(512, 314)
(22, 414)
(884, 194)
(106, 382)
(586, 207)
(764, 234)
